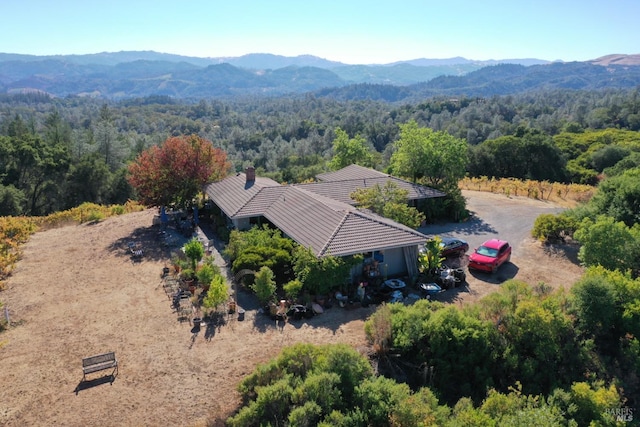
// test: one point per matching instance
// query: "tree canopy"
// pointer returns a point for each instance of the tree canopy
(608, 243)
(592, 133)
(347, 151)
(526, 155)
(389, 201)
(436, 157)
(175, 172)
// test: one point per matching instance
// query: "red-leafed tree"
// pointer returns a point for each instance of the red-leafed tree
(175, 172)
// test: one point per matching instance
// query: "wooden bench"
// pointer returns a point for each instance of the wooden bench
(100, 362)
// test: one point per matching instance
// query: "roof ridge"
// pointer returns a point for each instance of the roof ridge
(250, 199)
(335, 232)
(350, 179)
(243, 205)
(328, 202)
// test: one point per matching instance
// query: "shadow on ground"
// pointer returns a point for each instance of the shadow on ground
(156, 243)
(507, 271)
(86, 384)
(566, 250)
(473, 226)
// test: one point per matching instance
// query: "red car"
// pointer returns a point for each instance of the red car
(490, 255)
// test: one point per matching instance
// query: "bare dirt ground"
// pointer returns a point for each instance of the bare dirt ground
(77, 293)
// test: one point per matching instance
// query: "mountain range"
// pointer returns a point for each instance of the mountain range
(130, 74)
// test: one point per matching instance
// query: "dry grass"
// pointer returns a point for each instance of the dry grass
(76, 293)
(565, 195)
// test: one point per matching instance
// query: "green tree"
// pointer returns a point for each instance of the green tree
(404, 214)
(12, 201)
(321, 275)
(389, 201)
(109, 144)
(194, 250)
(619, 197)
(207, 271)
(35, 167)
(261, 246)
(553, 228)
(436, 157)
(518, 409)
(292, 288)
(528, 155)
(595, 305)
(538, 353)
(348, 151)
(217, 294)
(87, 181)
(306, 385)
(609, 243)
(591, 402)
(381, 398)
(607, 307)
(462, 350)
(57, 131)
(264, 286)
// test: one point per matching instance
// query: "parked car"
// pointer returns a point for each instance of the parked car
(490, 255)
(451, 246)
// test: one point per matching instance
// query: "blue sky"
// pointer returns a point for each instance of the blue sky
(350, 31)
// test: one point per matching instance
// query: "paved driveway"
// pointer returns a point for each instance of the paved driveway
(496, 216)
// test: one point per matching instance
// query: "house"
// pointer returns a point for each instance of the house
(323, 217)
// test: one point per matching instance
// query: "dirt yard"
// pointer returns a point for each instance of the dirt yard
(77, 293)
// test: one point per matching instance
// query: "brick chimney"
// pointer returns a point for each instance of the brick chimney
(250, 172)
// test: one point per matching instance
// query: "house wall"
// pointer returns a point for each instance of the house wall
(394, 264)
(242, 223)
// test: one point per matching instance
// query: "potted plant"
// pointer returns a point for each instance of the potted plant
(188, 277)
(194, 250)
(292, 289)
(179, 262)
(217, 294)
(264, 285)
(206, 272)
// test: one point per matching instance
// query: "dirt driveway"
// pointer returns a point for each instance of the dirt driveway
(77, 293)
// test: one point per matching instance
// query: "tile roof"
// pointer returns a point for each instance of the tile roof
(350, 172)
(304, 218)
(341, 190)
(360, 232)
(233, 193)
(328, 225)
(341, 183)
(331, 227)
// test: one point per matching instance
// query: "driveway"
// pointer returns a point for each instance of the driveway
(495, 216)
(510, 219)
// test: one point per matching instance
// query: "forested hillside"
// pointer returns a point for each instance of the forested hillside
(142, 74)
(56, 153)
(525, 353)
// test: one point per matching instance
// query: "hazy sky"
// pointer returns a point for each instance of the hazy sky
(350, 31)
